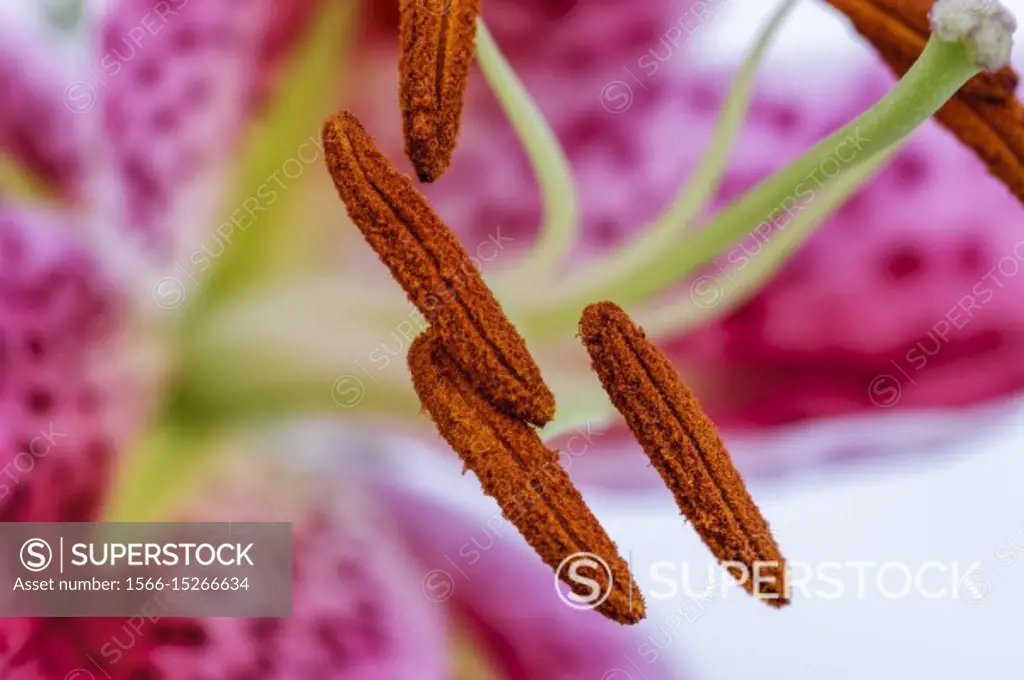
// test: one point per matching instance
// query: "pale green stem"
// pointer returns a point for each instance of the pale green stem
(582, 405)
(933, 79)
(554, 175)
(279, 353)
(154, 477)
(176, 453)
(303, 348)
(713, 295)
(309, 349)
(284, 149)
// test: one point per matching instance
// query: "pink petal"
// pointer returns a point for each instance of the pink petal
(358, 613)
(907, 298)
(177, 79)
(563, 32)
(48, 93)
(39, 90)
(62, 413)
(507, 596)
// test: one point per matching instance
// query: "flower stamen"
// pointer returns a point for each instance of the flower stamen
(432, 267)
(685, 449)
(437, 42)
(523, 476)
(560, 223)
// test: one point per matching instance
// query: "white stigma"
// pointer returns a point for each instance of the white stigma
(986, 26)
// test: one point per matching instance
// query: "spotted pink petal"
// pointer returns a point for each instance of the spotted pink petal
(564, 33)
(63, 409)
(358, 611)
(507, 598)
(39, 124)
(574, 33)
(908, 298)
(176, 80)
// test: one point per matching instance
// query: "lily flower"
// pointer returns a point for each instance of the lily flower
(178, 290)
(119, 158)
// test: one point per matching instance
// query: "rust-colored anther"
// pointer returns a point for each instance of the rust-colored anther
(429, 263)
(438, 40)
(685, 448)
(985, 114)
(524, 477)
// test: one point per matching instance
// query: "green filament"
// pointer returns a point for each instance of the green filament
(933, 79)
(711, 296)
(561, 215)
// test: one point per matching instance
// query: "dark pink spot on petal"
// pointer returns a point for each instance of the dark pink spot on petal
(904, 263)
(909, 170)
(971, 257)
(39, 402)
(148, 73)
(165, 120)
